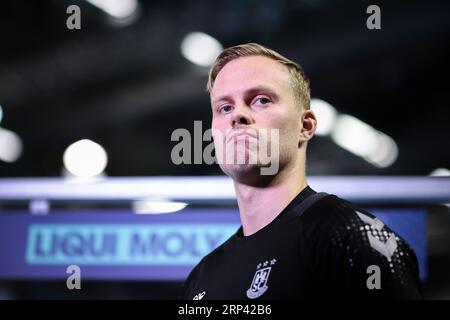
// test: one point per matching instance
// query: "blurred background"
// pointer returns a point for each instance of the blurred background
(102, 102)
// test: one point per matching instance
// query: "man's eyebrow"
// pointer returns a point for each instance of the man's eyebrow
(221, 98)
(253, 90)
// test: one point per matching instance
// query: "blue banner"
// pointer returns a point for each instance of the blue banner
(118, 244)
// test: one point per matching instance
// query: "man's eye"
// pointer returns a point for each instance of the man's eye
(262, 100)
(225, 109)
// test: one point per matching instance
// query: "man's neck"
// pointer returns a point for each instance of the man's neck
(258, 206)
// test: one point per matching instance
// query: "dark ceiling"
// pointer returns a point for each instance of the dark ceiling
(128, 88)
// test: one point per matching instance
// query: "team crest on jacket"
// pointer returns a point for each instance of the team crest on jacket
(259, 283)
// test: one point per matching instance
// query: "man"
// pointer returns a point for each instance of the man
(293, 243)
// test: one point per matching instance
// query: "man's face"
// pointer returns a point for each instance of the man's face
(250, 94)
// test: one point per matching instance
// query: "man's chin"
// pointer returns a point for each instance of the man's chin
(237, 170)
(246, 173)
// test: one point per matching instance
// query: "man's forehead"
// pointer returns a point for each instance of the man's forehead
(250, 72)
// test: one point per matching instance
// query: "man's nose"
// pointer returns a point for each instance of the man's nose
(241, 116)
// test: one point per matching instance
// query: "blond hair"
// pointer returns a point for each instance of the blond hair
(300, 82)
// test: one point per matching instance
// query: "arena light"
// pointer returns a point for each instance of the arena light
(39, 207)
(363, 140)
(85, 159)
(385, 153)
(119, 9)
(440, 172)
(157, 207)
(200, 48)
(326, 116)
(10, 146)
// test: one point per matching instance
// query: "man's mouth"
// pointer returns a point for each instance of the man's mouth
(240, 133)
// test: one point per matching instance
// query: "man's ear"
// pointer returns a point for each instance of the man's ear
(308, 125)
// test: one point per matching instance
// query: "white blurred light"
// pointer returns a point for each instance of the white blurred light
(440, 172)
(1, 113)
(120, 9)
(363, 140)
(386, 152)
(326, 116)
(157, 207)
(200, 48)
(39, 207)
(10, 145)
(85, 159)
